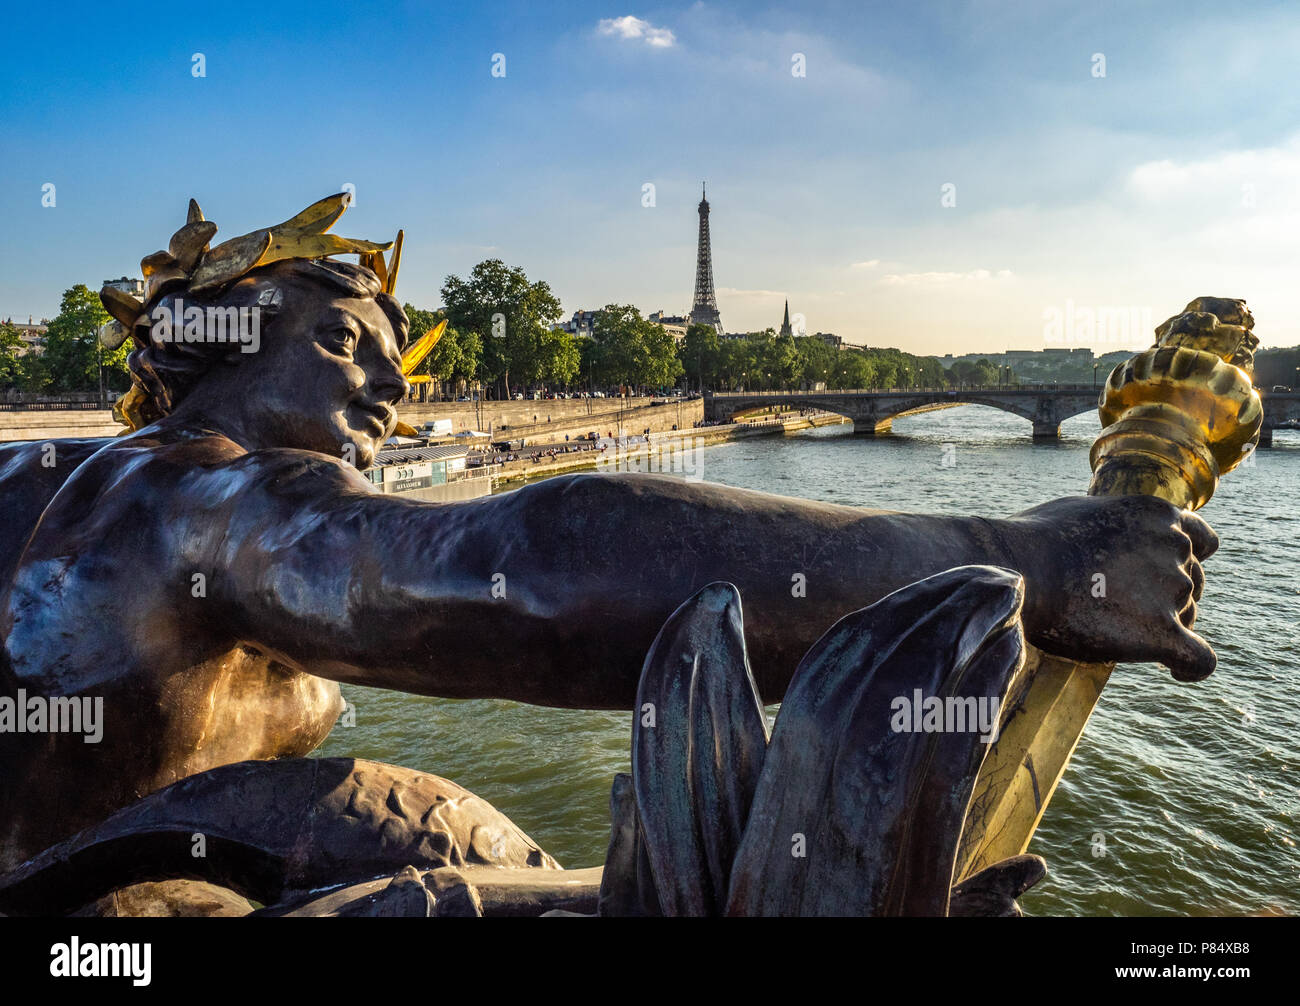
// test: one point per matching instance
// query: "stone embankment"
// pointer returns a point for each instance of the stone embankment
(57, 424)
(548, 421)
(670, 452)
(533, 421)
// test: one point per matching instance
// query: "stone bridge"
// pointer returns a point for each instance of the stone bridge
(873, 412)
(1281, 408)
(1045, 406)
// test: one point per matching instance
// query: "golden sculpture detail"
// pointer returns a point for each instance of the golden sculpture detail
(189, 264)
(418, 350)
(1175, 418)
(1183, 413)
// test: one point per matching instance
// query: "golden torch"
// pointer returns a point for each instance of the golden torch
(1175, 418)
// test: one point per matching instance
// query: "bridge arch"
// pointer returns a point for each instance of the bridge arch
(873, 412)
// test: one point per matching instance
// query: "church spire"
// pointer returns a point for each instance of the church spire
(785, 324)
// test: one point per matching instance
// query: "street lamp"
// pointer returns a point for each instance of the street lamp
(1094, 374)
(99, 359)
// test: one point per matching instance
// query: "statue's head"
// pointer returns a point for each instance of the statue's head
(267, 340)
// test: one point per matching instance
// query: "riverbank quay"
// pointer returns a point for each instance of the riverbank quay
(530, 421)
(550, 420)
(57, 424)
(670, 452)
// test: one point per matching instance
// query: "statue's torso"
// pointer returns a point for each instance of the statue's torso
(100, 619)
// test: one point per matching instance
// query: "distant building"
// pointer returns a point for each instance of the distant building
(135, 287)
(785, 322)
(582, 324)
(32, 334)
(834, 341)
(675, 325)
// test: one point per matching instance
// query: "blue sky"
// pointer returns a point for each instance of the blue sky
(1173, 175)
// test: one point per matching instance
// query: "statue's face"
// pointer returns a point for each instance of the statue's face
(328, 377)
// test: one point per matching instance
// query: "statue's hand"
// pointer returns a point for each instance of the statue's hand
(1115, 579)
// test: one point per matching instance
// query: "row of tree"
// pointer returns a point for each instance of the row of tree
(501, 334)
(1275, 367)
(765, 361)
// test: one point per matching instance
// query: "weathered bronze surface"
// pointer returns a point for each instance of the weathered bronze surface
(844, 813)
(274, 831)
(212, 575)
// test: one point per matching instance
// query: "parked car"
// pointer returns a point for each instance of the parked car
(1281, 387)
(519, 396)
(463, 398)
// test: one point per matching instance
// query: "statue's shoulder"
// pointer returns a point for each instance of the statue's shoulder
(31, 474)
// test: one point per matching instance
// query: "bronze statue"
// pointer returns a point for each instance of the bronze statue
(846, 811)
(276, 831)
(214, 573)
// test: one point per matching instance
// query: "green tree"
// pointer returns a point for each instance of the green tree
(699, 354)
(11, 356)
(1278, 367)
(456, 355)
(781, 361)
(816, 361)
(661, 367)
(73, 353)
(930, 372)
(512, 317)
(738, 361)
(630, 350)
(558, 357)
(860, 369)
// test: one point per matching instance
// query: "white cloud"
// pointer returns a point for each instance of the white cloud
(869, 264)
(940, 278)
(633, 28)
(1221, 179)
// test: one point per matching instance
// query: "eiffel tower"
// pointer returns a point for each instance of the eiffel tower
(704, 310)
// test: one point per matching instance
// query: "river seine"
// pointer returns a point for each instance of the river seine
(1181, 798)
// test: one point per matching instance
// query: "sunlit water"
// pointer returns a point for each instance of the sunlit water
(1189, 792)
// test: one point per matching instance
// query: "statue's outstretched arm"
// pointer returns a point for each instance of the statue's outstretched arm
(554, 593)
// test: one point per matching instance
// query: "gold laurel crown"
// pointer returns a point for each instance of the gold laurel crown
(190, 264)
